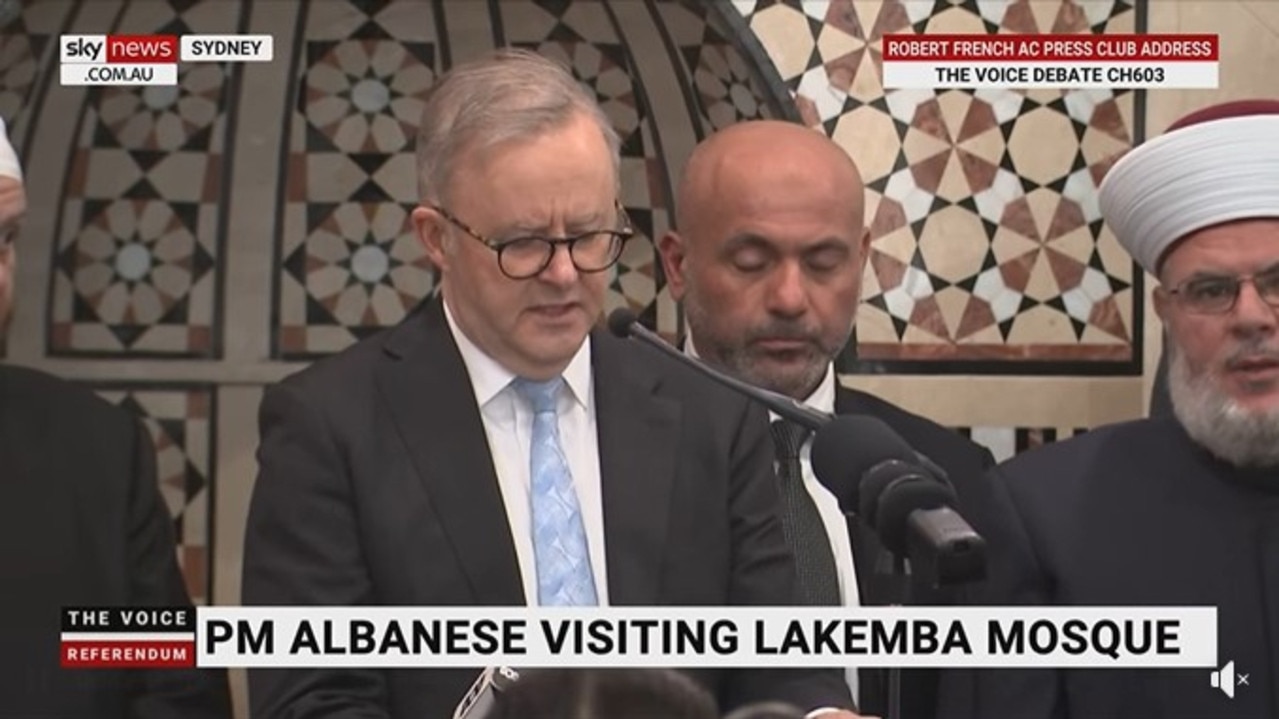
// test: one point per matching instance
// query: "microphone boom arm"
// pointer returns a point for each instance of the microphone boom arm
(623, 323)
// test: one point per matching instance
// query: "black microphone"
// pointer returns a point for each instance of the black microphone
(874, 474)
(483, 696)
(623, 323)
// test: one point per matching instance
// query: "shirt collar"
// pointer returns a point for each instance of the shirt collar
(823, 397)
(489, 377)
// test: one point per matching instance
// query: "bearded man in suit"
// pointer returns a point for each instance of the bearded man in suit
(82, 523)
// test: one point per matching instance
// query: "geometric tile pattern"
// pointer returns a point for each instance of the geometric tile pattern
(727, 87)
(988, 250)
(582, 36)
(1005, 442)
(138, 245)
(138, 277)
(26, 35)
(349, 264)
(180, 421)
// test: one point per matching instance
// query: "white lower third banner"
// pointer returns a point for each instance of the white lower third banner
(941, 74)
(400, 637)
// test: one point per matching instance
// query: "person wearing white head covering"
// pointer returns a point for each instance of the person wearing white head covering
(1198, 208)
(13, 206)
(1174, 510)
(9, 165)
(82, 523)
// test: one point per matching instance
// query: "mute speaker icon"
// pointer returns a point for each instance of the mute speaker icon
(1224, 679)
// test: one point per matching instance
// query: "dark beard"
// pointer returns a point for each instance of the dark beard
(736, 356)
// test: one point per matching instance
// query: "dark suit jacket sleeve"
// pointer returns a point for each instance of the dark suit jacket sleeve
(764, 574)
(987, 459)
(1015, 577)
(155, 580)
(302, 547)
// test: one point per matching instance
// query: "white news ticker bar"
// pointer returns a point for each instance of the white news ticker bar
(227, 48)
(119, 74)
(924, 75)
(266, 636)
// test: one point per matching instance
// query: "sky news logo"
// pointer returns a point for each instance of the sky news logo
(151, 59)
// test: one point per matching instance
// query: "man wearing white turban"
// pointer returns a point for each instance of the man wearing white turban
(1180, 509)
(82, 523)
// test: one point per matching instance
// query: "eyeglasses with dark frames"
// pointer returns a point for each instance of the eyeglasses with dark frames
(1218, 295)
(521, 258)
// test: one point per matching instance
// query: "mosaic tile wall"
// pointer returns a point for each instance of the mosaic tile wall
(137, 268)
(188, 244)
(989, 254)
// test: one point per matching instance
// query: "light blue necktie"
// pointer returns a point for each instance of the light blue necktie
(559, 538)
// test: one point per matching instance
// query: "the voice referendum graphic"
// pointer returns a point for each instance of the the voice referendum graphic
(128, 637)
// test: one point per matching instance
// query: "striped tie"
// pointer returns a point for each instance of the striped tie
(814, 558)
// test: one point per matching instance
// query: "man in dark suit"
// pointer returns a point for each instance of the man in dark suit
(768, 261)
(493, 449)
(82, 523)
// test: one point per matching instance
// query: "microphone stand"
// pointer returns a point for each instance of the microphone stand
(899, 595)
(895, 571)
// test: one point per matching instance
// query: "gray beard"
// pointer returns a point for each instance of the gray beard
(1214, 420)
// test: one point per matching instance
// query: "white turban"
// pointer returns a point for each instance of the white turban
(1191, 178)
(9, 165)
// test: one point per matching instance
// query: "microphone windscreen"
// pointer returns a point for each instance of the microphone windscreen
(848, 447)
(873, 484)
(620, 321)
(902, 498)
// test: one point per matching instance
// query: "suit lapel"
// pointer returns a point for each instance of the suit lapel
(426, 386)
(638, 434)
(845, 400)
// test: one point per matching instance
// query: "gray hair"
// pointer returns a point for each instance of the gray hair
(508, 95)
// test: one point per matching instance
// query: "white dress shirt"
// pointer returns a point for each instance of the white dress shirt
(833, 520)
(508, 425)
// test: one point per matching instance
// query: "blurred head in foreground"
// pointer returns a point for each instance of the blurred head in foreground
(767, 710)
(605, 694)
